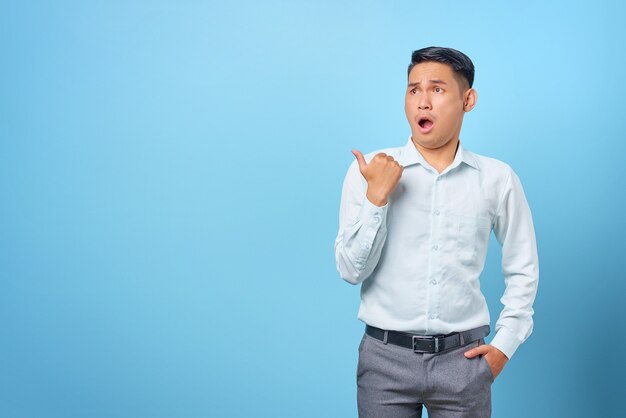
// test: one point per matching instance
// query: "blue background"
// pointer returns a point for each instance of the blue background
(170, 178)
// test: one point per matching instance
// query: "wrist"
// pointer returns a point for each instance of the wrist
(376, 199)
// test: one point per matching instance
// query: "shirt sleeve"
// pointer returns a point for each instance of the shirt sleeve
(362, 229)
(514, 230)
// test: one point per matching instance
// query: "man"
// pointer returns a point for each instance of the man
(414, 228)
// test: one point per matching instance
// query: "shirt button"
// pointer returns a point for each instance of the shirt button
(433, 281)
(437, 212)
(432, 316)
(376, 219)
(366, 246)
(435, 247)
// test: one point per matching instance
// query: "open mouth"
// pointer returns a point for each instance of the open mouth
(425, 124)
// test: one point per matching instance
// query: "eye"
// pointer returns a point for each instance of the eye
(413, 91)
(438, 89)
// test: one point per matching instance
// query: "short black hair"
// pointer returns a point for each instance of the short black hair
(460, 63)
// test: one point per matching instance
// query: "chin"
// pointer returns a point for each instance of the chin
(431, 142)
(429, 138)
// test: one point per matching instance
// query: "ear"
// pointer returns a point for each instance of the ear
(469, 100)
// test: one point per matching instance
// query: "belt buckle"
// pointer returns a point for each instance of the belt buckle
(419, 337)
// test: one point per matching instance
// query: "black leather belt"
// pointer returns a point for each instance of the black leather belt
(428, 343)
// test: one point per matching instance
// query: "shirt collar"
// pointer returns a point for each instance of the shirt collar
(410, 155)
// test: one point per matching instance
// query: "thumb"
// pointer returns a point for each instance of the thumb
(481, 349)
(359, 159)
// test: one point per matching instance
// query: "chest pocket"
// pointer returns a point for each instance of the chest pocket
(472, 238)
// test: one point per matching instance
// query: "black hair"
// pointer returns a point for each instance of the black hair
(460, 63)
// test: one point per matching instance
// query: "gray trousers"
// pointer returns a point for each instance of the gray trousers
(396, 382)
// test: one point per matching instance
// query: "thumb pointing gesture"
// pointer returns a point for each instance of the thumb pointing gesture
(359, 159)
(382, 174)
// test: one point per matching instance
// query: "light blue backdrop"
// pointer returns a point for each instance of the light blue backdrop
(170, 176)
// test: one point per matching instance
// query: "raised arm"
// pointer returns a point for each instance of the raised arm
(363, 214)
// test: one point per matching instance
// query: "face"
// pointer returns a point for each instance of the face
(435, 97)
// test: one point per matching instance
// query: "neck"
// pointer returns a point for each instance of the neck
(441, 157)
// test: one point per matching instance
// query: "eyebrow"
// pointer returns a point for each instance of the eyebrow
(432, 81)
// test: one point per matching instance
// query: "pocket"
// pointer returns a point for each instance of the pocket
(488, 371)
(486, 365)
(472, 234)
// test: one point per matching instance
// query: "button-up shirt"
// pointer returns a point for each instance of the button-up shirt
(419, 257)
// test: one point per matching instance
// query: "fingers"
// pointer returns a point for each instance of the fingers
(383, 156)
(481, 349)
(359, 159)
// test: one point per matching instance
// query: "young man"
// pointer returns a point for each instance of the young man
(414, 227)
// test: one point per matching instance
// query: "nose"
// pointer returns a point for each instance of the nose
(424, 102)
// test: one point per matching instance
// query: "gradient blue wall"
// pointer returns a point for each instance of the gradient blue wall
(170, 176)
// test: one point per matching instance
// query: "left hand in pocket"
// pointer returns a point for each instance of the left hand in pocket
(496, 359)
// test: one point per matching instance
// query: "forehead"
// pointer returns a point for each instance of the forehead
(431, 71)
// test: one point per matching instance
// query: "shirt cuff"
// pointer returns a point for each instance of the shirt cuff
(370, 214)
(506, 342)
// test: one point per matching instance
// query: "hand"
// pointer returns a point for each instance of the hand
(496, 359)
(382, 174)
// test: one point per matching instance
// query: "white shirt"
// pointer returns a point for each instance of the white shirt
(419, 257)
